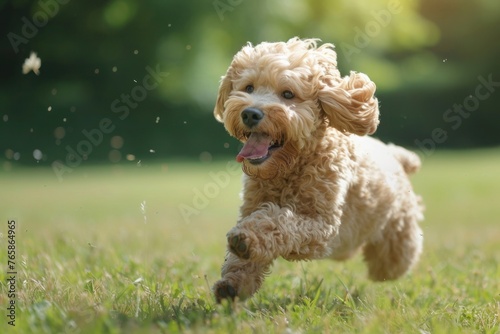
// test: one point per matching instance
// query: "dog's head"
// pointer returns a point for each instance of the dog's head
(278, 99)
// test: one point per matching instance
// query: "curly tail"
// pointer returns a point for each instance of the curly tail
(409, 160)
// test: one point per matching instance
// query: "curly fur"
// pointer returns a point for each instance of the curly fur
(328, 190)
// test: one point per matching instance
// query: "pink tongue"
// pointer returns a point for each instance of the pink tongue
(256, 147)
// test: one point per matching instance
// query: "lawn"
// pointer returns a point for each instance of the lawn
(135, 249)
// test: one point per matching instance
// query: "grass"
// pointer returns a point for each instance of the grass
(109, 251)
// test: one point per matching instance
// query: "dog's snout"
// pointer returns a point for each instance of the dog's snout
(251, 116)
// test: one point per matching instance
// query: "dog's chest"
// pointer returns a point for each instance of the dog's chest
(302, 193)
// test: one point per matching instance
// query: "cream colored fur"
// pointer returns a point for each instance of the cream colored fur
(329, 190)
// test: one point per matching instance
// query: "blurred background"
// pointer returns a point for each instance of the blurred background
(125, 82)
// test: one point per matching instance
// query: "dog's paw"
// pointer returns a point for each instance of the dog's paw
(224, 290)
(239, 244)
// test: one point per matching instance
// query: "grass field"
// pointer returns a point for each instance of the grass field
(136, 249)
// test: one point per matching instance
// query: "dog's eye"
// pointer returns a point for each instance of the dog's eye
(249, 89)
(287, 95)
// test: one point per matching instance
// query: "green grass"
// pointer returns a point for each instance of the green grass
(89, 260)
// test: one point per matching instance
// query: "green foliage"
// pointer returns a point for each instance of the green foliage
(89, 262)
(424, 56)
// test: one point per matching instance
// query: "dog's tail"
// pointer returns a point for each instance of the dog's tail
(409, 160)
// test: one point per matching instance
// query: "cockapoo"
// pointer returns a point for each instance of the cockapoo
(316, 186)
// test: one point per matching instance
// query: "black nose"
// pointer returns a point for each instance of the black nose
(251, 116)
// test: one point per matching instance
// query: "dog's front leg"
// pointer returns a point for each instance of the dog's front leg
(240, 278)
(272, 232)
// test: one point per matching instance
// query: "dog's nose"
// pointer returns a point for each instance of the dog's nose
(251, 116)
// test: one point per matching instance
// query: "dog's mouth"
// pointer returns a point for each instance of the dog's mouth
(258, 147)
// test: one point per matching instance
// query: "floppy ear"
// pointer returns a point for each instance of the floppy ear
(350, 105)
(224, 90)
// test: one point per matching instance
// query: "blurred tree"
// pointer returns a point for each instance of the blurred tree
(424, 56)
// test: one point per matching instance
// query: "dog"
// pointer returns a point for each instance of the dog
(315, 184)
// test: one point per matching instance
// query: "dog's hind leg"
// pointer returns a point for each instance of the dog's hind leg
(240, 278)
(395, 250)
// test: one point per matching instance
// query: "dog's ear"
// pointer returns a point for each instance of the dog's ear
(349, 104)
(224, 90)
